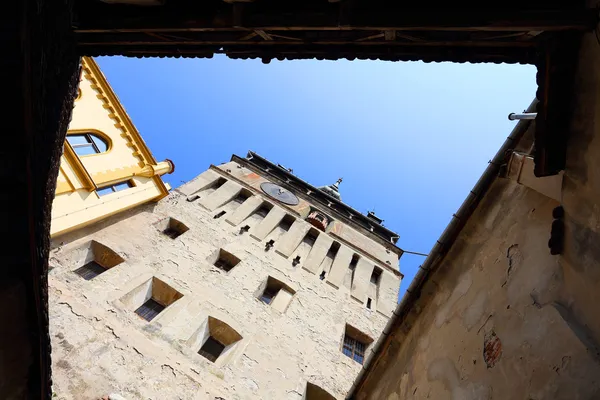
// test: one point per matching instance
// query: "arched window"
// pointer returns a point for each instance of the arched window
(87, 143)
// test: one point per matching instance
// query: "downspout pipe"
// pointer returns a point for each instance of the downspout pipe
(441, 247)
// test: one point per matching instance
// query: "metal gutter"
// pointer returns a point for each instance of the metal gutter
(440, 249)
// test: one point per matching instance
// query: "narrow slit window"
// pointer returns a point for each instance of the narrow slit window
(376, 276)
(263, 211)
(149, 310)
(287, 222)
(369, 303)
(242, 196)
(211, 349)
(220, 214)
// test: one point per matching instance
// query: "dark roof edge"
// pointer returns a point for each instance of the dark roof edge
(440, 249)
(379, 232)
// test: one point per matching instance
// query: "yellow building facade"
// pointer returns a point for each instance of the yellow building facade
(106, 167)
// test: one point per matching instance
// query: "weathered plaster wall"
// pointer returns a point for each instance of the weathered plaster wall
(496, 320)
(101, 346)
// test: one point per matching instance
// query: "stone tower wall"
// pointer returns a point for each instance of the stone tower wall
(101, 346)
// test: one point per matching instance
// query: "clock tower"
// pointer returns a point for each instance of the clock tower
(246, 282)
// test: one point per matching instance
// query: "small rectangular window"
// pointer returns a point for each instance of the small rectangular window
(104, 191)
(354, 349)
(150, 309)
(117, 187)
(211, 349)
(122, 186)
(369, 303)
(268, 295)
(355, 343)
(226, 261)
(90, 270)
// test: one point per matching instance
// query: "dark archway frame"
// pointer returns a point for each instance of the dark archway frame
(44, 39)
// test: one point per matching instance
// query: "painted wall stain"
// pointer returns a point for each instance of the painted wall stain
(492, 349)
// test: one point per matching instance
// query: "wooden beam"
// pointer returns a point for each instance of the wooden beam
(263, 34)
(273, 43)
(111, 18)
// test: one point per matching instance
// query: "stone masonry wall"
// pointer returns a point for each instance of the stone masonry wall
(101, 346)
(494, 322)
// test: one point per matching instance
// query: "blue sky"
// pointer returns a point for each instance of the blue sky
(409, 139)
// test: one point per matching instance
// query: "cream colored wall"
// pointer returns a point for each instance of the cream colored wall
(74, 209)
(76, 203)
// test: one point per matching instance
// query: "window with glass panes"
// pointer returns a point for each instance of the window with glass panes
(150, 309)
(117, 187)
(354, 349)
(85, 144)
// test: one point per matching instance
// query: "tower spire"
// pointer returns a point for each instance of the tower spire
(333, 190)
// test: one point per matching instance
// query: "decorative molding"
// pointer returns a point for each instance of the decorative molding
(78, 167)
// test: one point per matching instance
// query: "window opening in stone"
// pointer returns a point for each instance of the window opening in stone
(287, 222)
(150, 309)
(90, 270)
(268, 295)
(354, 349)
(369, 303)
(276, 293)
(335, 246)
(226, 261)
(99, 259)
(220, 214)
(151, 298)
(296, 261)
(211, 349)
(263, 211)
(314, 392)
(322, 276)
(242, 196)
(355, 344)
(218, 183)
(311, 237)
(376, 275)
(354, 261)
(349, 278)
(173, 228)
(244, 229)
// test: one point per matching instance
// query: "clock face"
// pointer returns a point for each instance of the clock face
(280, 194)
